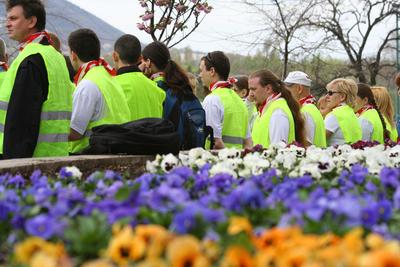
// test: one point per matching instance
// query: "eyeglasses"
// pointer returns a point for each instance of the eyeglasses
(330, 93)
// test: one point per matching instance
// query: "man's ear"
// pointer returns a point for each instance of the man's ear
(213, 72)
(74, 56)
(269, 89)
(115, 56)
(299, 89)
(32, 22)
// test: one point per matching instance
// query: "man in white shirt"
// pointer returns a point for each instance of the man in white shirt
(98, 98)
(225, 111)
(299, 85)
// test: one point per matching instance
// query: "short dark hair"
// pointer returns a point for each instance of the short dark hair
(85, 43)
(129, 48)
(32, 8)
(220, 62)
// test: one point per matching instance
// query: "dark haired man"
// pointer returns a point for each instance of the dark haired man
(225, 111)
(98, 98)
(145, 99)
(35, 103)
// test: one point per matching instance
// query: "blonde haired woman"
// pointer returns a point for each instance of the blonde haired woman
(341, 123)
(385, 106)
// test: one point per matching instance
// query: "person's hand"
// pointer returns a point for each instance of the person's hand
(324, 106)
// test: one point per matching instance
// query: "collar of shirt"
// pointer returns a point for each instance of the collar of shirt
(268, 101)
(310, 99)
(3, 66)
(39, 37)
(363, 109)
(128, 69)
(156, 75)
(91, 64)
(220, 84)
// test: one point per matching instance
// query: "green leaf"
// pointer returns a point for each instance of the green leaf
(125, 191)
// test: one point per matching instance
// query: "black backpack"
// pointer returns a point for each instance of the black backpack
(191, 128)
(147, 136)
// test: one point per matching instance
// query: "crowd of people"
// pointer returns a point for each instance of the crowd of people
(49, 103)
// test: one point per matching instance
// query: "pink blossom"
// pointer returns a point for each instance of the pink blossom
(141, 26)
(180, 7)
(148, 15)
(143, 3)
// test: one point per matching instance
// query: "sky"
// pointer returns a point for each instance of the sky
(226, 28)
(229, 19)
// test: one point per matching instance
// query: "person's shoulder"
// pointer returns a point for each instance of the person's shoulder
(279, 112)
(35, 59)
(331, 118)
(87, 87)
(211, 98)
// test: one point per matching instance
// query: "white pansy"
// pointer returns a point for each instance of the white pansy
(196, 153)
(354, 157)
(184, 158)
(222, 167)
(244, 172)
(260, 167)
(169, 162)
(292, 160)
(229, 153)
(311, 169)
(154, 166)
(75, 172)
(151, 166)
(198, 163)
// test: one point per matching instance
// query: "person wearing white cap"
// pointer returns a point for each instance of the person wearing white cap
(299, 84)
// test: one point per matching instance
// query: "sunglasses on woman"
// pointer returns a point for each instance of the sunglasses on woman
(330, 93)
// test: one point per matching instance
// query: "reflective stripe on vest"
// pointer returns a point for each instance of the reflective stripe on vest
(233, 140)
(319, 131)
(3, 105)
(348, 123)
(55, 115)
(53, 138)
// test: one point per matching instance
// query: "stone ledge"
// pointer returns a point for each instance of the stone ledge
(135, 165)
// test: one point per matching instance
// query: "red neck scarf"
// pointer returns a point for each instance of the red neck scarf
(268, 101)
(308, 100)
(223, 84)
(4, 66)
(91, 64)
(35, 38)
(363, 109)
(156, 75)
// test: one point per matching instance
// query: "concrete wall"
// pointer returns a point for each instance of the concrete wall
(135, 165)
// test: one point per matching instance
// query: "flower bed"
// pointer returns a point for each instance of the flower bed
(323, 192)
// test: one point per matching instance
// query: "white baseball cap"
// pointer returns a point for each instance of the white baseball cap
(298, 77)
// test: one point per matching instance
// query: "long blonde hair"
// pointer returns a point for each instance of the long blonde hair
(346, 86)
(384, 103)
